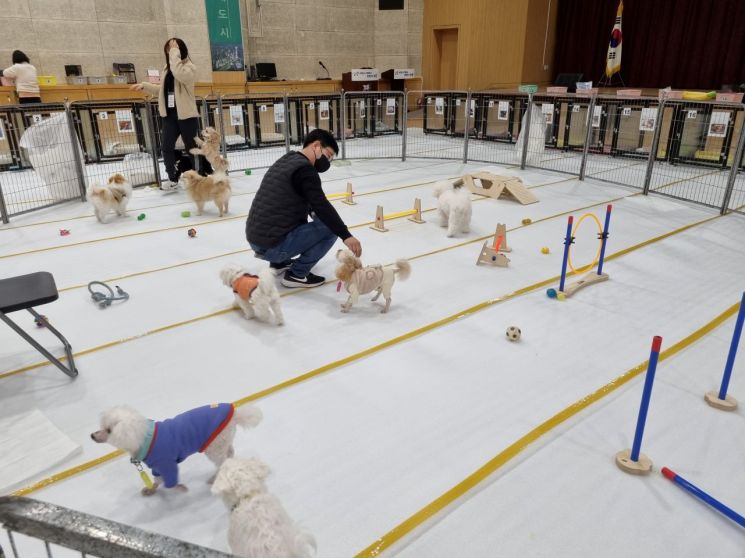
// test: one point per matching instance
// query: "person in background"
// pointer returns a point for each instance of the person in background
(177, 107)
(277, 227)
(27, 85)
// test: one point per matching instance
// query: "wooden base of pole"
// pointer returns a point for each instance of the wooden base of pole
(729, 403)
(589, 279)
(641, 467)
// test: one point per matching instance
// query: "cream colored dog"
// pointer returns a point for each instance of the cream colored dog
(259, 525)
(210, 148)
(114, 196)
(362, 280)
(201, 189)
(255, 295)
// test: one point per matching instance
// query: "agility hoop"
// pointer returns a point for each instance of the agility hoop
(600, 244)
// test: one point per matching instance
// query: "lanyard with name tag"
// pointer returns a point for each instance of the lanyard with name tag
(171, 100)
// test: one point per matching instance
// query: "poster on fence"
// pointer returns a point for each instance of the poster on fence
(692, 114)
(311, 106)
(472, 111)
(2, 131)
(504, 110)
(648, 119)
(597, 113)
(236, 115)
(323, 107)
(36, 118)
(439, 105)
(390, 106)
(361, 109)
(548, 111)
(124, 122)
(718, 124)
(279, 113)
(103, 115)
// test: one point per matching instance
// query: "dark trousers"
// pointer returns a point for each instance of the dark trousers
(25, 100)
(171, 129)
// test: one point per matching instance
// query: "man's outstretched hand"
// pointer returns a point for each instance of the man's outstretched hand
(354, 245)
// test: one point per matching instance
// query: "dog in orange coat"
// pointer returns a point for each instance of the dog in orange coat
(255, 295)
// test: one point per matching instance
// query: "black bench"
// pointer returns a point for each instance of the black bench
(23, 293)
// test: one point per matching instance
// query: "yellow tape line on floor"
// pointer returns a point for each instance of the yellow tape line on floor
(136, 209)
(43, 363)
(511, 451)
(346, 360)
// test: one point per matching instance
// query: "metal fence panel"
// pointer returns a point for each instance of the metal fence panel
(432, 129)
(87, 534)
(38, 160)
(373, 124)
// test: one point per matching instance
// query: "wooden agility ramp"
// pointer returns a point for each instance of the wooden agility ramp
(495, 186)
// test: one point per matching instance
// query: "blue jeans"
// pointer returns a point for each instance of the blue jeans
(310, 242)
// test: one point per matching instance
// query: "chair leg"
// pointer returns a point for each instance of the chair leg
(69, 370)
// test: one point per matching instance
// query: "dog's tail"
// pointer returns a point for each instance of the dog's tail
(303, 543)
(440, 186)
(96, 190)
(248, 416)
(403, 269)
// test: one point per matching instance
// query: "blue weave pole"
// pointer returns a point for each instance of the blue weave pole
(701, 495)
(604, 238)
(567, 242)
(646, 395)
(733, 349)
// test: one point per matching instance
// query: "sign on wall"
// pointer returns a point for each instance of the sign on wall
(226, 41)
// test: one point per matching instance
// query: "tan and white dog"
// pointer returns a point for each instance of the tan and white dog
(359, 280)
(114, 196)
(209, 146)
(201, 189)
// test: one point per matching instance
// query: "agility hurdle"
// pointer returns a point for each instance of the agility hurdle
(492, 252)
(415, 216)
(701, 495)
(721, 400)
(345, 197)
(590, 278)
(632, 461)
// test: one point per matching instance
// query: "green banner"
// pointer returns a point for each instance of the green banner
(226, 41)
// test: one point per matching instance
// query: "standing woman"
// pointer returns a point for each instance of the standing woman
(27, 86)
(177, 107)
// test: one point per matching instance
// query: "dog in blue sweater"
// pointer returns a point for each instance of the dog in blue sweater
(164, 444)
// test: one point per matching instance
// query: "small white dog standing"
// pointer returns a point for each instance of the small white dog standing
(114, 196)
(256, 295)
(164, 444)
(362, 280)
(453, 206)
(259, 525)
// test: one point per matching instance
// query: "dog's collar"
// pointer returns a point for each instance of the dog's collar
(147, 442)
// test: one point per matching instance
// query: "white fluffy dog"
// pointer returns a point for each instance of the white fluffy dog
(453, 206)
(114, 196)
(362, 280)
(256, 295)
(259, 525)
(163, 445)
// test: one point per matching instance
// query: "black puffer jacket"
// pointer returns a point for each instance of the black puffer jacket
(289, 192)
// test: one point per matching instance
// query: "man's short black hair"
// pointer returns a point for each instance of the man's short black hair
(324, 136)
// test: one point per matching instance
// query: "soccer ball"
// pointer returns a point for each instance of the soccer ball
(513, 333)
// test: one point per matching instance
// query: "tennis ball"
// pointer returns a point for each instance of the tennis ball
(248, 172)
(186, 214)
(527, 221)
(545, 250)
(551, 293)
(561, 296)
(141, 216)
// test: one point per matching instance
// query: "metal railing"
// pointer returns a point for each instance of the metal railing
(691, 150)
(45, 526)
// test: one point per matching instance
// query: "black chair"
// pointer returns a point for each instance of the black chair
(23, 293)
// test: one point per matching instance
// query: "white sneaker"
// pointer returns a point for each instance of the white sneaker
(169, 187)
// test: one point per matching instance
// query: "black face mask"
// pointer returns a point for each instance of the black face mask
(322, 164)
